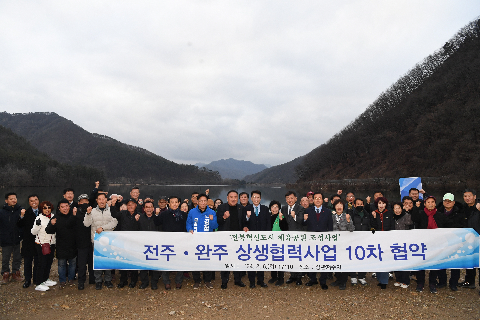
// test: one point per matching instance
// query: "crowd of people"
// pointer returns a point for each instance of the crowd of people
(41, 232)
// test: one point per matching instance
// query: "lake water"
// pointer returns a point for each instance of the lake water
(184, 192)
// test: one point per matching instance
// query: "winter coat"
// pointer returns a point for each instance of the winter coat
(421, 219)
(404, 223)
(64, 230)
(172, 220)
(26, 223)
(474, 221)
(456, 219)
(200, 221)
(82, 233)
(41, 236)
(360, 223)
(127, 221)
(99, 218)
(342, 224)
(148, 224)
(10, 233)
(388, 221)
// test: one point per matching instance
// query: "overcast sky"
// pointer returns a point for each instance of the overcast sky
(197, 81)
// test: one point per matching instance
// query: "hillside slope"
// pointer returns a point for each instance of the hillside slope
(234, 169)
(68, 143)
(23, 165)
(426, 124)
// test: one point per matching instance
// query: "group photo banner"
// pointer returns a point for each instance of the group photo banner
(401, 250)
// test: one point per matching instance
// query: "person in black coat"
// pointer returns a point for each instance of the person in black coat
(172, 220)
(318, 218)
(455, 219)
(256, 218)
(428, 218)
(471, 210)
(362, 222)
(229, 218)
(29, 252)
(63, 226)
(147, 223)
(128, 220)
(84, 243)
(10, 237)
(382, 220)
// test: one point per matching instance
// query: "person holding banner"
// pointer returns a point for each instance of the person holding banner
(361, 222)
(318, 219)
(471, 209)
(128, 220)
(455, 219)
(428, 218)
(277, 223)
(382, 220)
(202, 219)
(293, 213)
(341, 222)
(100, 219)
(257, 218)
(403, 221)
(229, 217)
(172, 220)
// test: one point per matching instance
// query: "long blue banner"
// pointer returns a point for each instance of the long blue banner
(288, 251)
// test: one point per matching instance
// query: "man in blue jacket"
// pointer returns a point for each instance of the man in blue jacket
(202, 219)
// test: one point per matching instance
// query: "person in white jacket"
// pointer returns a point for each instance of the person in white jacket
(42, 238)
(100, 219)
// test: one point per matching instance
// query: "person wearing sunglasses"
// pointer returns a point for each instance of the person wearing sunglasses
(45, 246)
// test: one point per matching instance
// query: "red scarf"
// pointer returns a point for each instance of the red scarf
(381, 216)
(48, 215)
(431, 221)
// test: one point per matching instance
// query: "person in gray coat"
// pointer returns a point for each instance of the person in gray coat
(341, 222)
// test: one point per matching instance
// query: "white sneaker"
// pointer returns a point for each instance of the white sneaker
(42, 287)
(374, 275)
(354, 281)
(390, 275)
(397, 284)
(363, 282)
(49, 282)
(404, 286)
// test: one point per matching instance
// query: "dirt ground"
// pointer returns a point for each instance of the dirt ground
(284, 302)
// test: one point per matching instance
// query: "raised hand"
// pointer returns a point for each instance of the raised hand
(89, 210)
(53, 221)
(348, 217)
(226, 215)
(137, 217)
(292, 213)
(97, 184)
(22, 213)
(368, 199)
(74, 211)
(305, 216)
(249, 213)
(374, 214)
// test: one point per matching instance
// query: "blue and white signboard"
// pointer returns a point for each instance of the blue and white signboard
(288, 251)
(407, 183)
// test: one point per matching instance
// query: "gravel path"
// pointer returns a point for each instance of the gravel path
(285, 302)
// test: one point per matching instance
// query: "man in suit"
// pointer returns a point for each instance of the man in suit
(257, 218)
(318, 219)
(28, 245)
(293, 213)
(229, 218)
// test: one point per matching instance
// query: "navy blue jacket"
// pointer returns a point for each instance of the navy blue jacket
(260, 223)
(323, 224)
(10, 233)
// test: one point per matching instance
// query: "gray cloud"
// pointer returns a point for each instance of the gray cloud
(265, 81)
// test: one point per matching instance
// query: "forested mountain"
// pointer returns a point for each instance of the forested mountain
(232, 168)
(425, 124)
(68, 143)
(21, 164)
(281, 174)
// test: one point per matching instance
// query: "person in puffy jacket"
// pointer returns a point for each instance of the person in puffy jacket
(100, 219)
(45, 258)
(63, 226)
(10, 237)
(202, 219)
